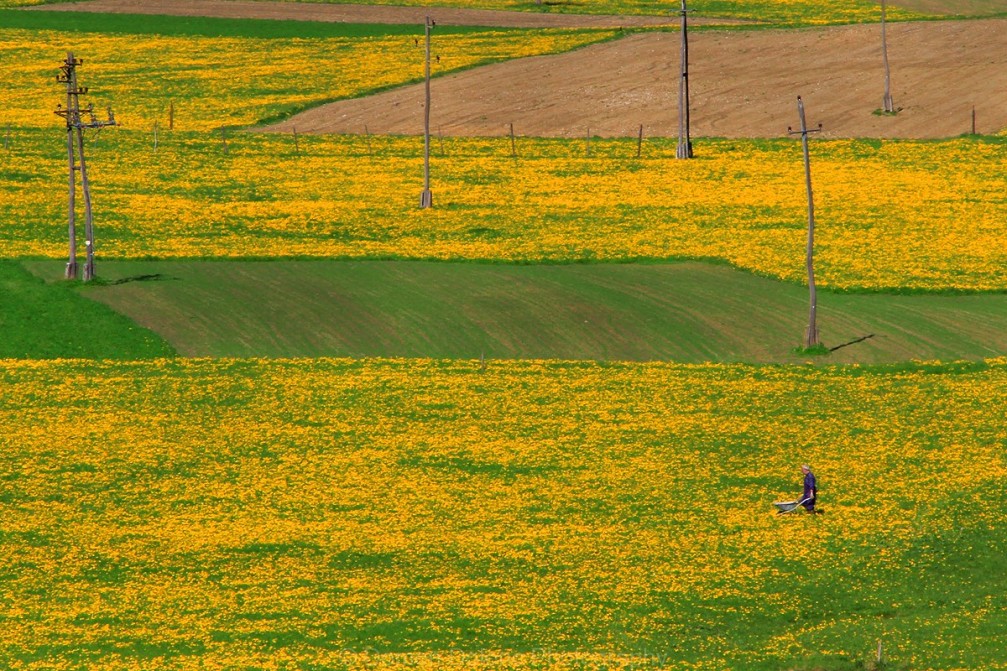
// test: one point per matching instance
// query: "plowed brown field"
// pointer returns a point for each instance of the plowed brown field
(743, 84)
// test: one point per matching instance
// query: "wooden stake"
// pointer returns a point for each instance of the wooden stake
(171, 115)
(973, 119)
(639, 142)
(6, 137)
(223, 138)
(879, 651)
(587, 144)
(513, 145)
(297, 145)
(367, 133)
(440, 140)
(155, 137)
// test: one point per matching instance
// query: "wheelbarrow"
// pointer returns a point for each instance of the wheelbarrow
(783, 507)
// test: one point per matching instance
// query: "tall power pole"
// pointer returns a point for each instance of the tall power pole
(75, 126)
(684, 149)
(427, 198)
(811, 335)
(887, 104)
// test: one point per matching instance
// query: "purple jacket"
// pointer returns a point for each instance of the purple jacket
(810, 487)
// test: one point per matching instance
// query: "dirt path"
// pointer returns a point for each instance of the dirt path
(297, 11)
(743, 84)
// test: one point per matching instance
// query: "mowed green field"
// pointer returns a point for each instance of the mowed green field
(688, 312)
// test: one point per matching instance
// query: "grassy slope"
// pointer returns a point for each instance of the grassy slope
(43, 321)
(683, 312)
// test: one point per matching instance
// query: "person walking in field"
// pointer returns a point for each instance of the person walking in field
(810, 495)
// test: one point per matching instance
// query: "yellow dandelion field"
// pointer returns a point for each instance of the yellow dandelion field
(183, 514)
(235, 81)
(890, 214)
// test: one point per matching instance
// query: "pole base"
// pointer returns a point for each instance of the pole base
(88, 271)
(71, 270)
(811, 338)
(426, 199)
(684, 150)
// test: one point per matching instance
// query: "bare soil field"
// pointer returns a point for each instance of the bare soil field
(743, 84)
(336, 13)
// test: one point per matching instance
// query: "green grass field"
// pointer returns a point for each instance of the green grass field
(197, 26)
(45, 321)
(688, 312)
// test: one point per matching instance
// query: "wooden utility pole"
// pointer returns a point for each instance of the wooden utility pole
(888, 105)
(427, 198)
(684, 149)
(811, 335)
(75, 130)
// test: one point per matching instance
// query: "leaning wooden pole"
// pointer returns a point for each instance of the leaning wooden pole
(72, 116)
(811, 334)
(888, 104)
(684, 149)
(427, 197)
(88, 218)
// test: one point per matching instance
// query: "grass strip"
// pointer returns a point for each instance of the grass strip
(42, 320)
(148, 24)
